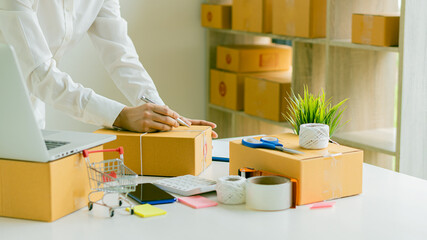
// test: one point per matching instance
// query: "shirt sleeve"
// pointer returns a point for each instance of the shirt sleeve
(20, 28)
(110, 37)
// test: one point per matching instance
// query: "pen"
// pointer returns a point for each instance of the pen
(147, 100)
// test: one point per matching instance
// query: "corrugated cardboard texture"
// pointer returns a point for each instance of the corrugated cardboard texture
(44, 191)
(378, 30)
(216, 16)
(299, 18)
(174, 153)
(320, 178)
(254, 58)
(252, 15)
(265, 95)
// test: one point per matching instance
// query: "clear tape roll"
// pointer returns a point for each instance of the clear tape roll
(314, 136)
(268, 193)
(231, 190)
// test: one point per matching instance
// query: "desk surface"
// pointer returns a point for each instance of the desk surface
(392, 206)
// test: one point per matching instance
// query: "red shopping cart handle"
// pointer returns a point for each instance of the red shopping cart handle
(119, 150)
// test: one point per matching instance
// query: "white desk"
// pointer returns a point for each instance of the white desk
(392, 206)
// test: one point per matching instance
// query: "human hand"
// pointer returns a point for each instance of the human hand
(202, 123)
(147, 118)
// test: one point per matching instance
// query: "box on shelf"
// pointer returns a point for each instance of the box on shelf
(252, 15)
(375, 29)
(178, 152)
(323, 174)
(299, 18)
(216, 16)
(265, 95)
(44, 191)
(226, 89)
(254, 58)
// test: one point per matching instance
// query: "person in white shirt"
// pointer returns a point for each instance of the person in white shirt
(41, 31)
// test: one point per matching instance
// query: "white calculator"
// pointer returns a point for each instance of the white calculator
(186, 185)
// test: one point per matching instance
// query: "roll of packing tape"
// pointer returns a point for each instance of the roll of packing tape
(231, 190)
(314, 136)
(268, 193)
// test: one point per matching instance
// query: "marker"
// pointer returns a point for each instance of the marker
(147, 100)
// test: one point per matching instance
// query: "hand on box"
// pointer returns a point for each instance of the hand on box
(202, 123)
(147, 118)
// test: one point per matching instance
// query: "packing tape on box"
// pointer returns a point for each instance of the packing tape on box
(204, 146)
(268, 193)
(314, 136)
(231, 190)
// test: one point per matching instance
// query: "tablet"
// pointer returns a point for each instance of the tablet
(149, 193)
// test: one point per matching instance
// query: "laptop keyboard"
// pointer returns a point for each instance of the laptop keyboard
(54, 144)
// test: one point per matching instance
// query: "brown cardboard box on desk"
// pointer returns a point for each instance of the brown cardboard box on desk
(252, 15)
(299, 18)
(375, 29)
(44, 191)
(320, 176)
(254, 58)
(265, 95)
(216, 16)
(178, 152)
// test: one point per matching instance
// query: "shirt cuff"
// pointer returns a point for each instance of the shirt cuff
(102, 111)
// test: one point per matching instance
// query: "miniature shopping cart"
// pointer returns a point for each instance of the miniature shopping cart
(110, 176)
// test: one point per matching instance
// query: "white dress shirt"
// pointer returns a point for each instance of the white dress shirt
(41, 31)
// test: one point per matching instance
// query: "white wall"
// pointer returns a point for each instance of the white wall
(171, 45)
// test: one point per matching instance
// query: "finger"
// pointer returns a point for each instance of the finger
(164, 110)
(165, 120)
(159, 126)
(186, 120)
(214, 134)
(204, 123)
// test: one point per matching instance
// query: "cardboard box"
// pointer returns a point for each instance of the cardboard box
(252, 15)
(216, 16)
(320, 176)
(44, 191)
(375, 29)
(299, 18)
(254, 58)
(226, 89)
(178, 152)
(265, 95)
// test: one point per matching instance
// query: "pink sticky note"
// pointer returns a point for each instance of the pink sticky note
(197, 202)
(322, 205)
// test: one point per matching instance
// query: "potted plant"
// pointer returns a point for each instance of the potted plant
(314, 109)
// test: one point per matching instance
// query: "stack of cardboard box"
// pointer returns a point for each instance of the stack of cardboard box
(256, 79)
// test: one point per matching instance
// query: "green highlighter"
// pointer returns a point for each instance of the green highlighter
(147, 210)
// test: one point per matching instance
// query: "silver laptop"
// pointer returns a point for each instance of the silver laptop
(20, 137)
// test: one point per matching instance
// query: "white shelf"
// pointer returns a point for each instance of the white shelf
(269, 35)
(382, 140)
(241, 113)
(348, 44)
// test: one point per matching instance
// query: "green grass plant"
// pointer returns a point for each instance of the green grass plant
(314, 109)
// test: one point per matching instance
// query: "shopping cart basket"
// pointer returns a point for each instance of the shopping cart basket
(110, 176)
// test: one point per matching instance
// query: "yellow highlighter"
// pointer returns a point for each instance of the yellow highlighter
(147, 210)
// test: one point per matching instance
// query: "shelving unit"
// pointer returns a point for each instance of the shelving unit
(370, 76)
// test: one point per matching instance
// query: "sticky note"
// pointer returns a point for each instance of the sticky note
(322, 205)
(197, 202)
(147, 210)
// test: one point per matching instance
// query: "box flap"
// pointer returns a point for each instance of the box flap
(290, 140)
(255, 46)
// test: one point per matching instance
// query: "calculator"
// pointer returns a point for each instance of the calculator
(186, 185)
